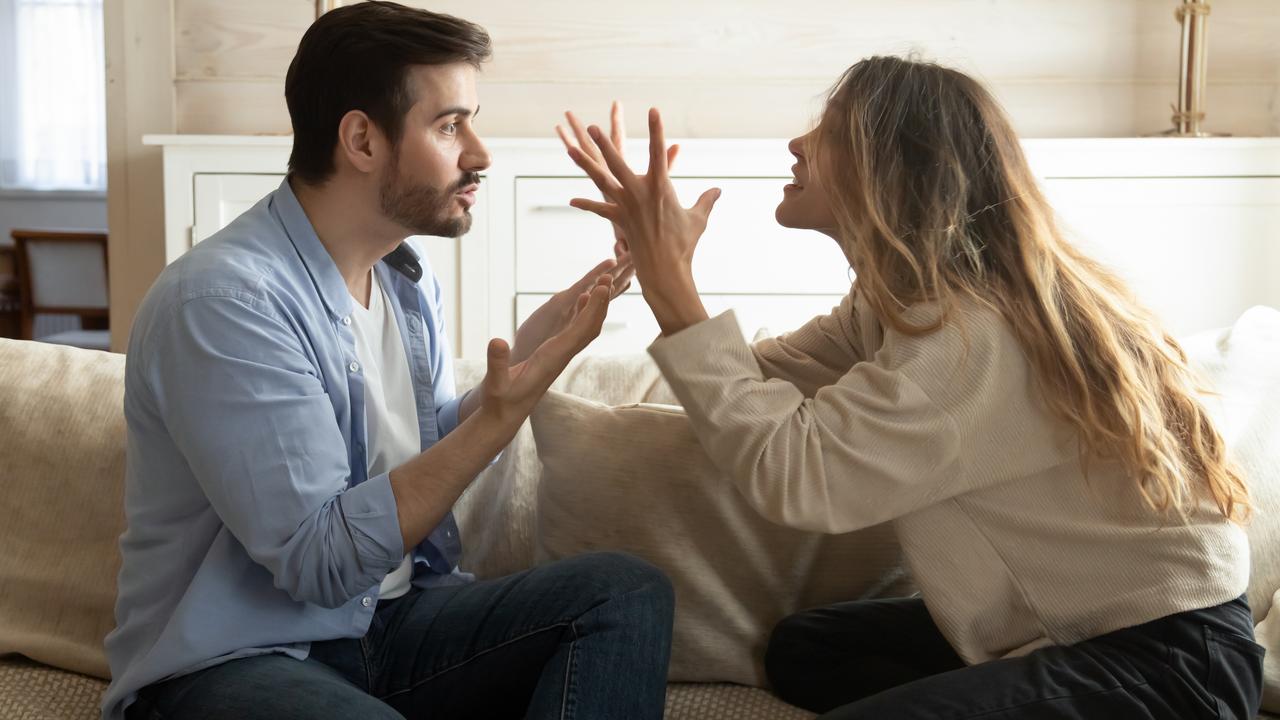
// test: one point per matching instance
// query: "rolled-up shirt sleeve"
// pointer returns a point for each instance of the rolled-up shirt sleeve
(250, 414)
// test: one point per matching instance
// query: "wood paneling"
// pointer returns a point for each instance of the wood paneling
(140, 99)
(1044, 109)
(754, 67)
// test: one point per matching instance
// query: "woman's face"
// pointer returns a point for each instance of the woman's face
(804, 203)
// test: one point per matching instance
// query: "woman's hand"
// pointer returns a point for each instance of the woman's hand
(661, 234)
(617, 136)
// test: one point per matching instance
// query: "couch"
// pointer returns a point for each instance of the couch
(606, 462)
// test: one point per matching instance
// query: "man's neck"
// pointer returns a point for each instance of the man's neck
(349, 226)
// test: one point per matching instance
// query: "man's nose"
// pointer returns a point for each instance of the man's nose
(476, 156)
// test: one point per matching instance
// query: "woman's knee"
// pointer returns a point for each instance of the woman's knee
(791, 644)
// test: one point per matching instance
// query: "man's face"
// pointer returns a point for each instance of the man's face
(430, 184)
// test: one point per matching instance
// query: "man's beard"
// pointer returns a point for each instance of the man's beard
(424, 209)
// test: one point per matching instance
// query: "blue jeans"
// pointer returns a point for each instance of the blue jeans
(880, 659)
(588, 637)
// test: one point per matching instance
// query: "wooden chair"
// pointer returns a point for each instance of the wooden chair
(9, 303)
(64, 272)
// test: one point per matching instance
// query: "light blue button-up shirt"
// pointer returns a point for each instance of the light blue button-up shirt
(252, 524)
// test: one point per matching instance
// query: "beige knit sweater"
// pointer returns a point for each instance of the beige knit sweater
(841, 425)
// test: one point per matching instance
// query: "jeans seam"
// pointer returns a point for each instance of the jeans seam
(569, 673)
(423, 680)
(1068, 696)
(364, 662)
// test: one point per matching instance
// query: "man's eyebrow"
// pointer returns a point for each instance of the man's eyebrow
(457, 110)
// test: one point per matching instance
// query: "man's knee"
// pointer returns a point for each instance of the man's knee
(622, 578)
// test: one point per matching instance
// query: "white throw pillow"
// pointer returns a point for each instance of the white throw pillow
(1241, 365)
(634, 478)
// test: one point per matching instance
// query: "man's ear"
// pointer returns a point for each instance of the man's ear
(359, 141)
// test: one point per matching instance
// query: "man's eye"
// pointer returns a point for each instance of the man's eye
(451, 128)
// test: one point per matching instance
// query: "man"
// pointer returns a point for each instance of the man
(295, 445)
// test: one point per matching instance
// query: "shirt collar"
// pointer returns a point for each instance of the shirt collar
(320, 266)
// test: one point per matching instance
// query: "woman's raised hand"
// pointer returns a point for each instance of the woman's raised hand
(617, 136)
(660, 233)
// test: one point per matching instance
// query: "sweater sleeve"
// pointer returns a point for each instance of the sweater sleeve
(866, 449)
(816, 354)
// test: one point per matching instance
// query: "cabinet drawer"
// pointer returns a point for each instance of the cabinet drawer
(630, 326)
(743, 251)
(1196, 251)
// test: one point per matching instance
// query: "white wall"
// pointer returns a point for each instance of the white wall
(52, 211)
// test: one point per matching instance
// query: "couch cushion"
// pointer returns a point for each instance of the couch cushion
(1241, 366)
(634, 478)
(31, 691)
(506, 494)
(63, 478)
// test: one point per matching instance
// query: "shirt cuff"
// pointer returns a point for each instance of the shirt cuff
(447, 415)
(370, 512)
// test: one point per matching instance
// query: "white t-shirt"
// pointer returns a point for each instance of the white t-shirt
(391, 418)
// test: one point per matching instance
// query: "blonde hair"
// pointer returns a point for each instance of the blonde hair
(935, 203)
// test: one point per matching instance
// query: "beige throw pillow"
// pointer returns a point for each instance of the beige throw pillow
(634, 478)
(62, 441)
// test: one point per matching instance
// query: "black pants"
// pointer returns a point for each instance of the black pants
(885, 659)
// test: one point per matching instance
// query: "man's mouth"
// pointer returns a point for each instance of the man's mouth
(467, 195)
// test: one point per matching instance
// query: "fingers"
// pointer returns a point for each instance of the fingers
(706, 201)
(586, 326)
(564, 137)
(622, 281)
(617, 128)
(600, 176)
(657, 147)
(616, 164)
(580, 132)
(608, 211)
(672, 152)
(606, 267)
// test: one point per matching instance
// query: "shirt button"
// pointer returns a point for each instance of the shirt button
(366, 601)
(346, 320)
(448, 533)
(413, 324)
(354, 366)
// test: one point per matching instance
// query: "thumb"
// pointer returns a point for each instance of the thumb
(499, 363)
(707, 201)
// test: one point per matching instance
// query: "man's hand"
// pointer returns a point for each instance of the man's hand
(509, 391)
(558, 313)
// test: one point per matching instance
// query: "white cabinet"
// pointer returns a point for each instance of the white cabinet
(1193, 225)
(1197, 251)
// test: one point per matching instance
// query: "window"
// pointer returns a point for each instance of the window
(52, 87)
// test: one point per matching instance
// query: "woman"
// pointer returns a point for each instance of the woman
(1065, 504)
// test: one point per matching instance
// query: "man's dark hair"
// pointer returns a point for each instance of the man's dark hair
(358, 57)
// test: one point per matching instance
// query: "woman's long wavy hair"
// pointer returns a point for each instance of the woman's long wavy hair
(935, 203)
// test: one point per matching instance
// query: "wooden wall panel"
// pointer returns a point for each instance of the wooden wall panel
(754, 67)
